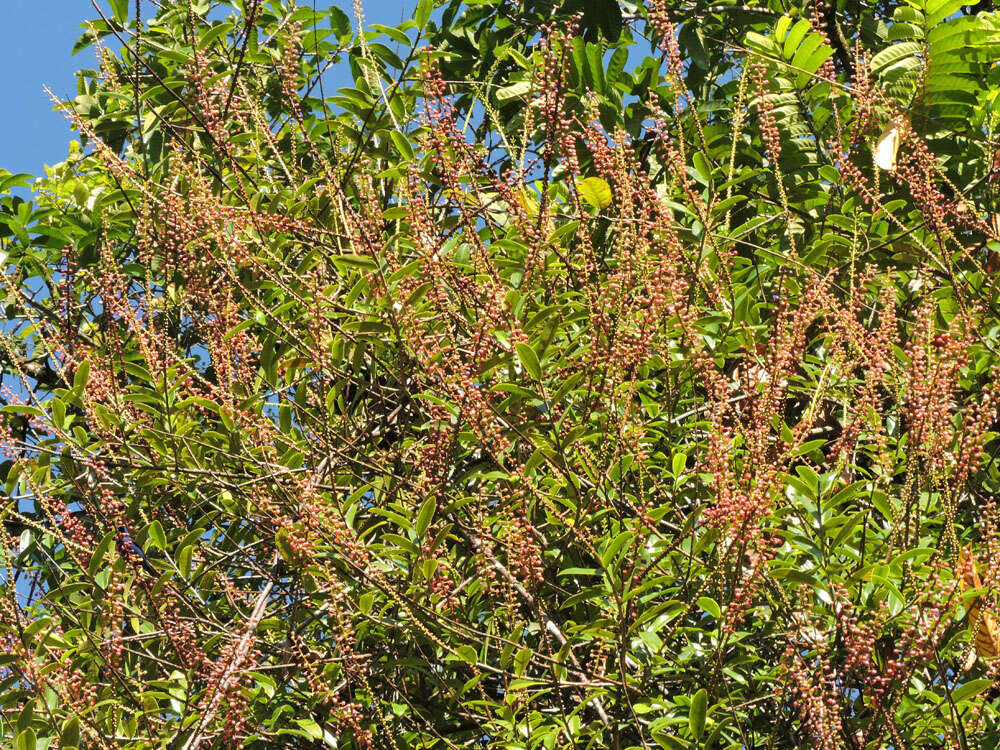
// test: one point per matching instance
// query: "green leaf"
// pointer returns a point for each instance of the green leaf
(529, 360)
(669, 742)
(312, 727)
(762, 44)
(616, 65)
(615, 546)
(402, 144)
(351, 260)
(284, 546)
(365, 602)
(513, 91)
(184, 559)
(711, 606)
(25, 740)
(811, 63)
(595, 66)
(888, 57)
(24, 718)
(702, 167)
(58, 413)
(521, 660)
(70, 735)
(938, 10)
(100, 552)
(340, 23)
(423, 13)
(81, 376)
(795, 37)
(782, 26)
(697, 713)
(119, 9)
(901, 31)
(970, 689)
(678, 464)
(425, 515)
(156, 535)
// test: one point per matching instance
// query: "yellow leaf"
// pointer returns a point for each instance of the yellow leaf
(886, 148)
(595, 191)
(985, 631)
(528, 202)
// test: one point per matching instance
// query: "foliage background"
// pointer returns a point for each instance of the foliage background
(572, 378)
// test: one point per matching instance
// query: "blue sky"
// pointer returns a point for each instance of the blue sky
(36, 52)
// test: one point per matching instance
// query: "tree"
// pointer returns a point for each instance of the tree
(587, 374)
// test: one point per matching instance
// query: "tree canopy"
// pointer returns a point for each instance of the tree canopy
(586, 374)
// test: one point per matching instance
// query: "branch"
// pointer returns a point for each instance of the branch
(195, 740)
